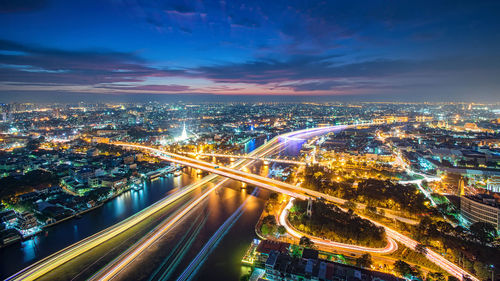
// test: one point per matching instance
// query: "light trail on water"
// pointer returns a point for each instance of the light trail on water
(117, 265)
(46, 265)
(200, 258)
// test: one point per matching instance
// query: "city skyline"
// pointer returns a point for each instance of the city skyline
(230, 51)
(249, 140)
(242, 191)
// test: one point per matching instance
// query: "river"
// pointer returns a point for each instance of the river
(222, 264)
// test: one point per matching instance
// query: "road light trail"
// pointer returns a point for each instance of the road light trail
(283, 220)
(179, 249)
(47, 264)
(59, 258)
(115, 267)
(53, 261)
(299, 192)
(219, 155)
(108, 272)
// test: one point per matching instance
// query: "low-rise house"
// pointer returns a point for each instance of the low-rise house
(114, 182)
(282, 267)
(26, 221)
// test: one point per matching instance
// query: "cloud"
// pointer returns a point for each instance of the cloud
(318, 86)
(151, 88)
(268, 70)
(108, 70)
(31, 64)
(180, 8)
(247, 22)
(324, 67)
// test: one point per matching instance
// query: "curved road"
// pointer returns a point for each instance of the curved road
(302, 193)
(391, 244)
(61, 257)
(47, 264)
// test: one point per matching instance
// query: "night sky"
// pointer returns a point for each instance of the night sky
(366, 50)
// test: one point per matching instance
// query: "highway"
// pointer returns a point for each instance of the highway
(297, 192)
(264, 182)
(118, 264)
(42, 267)
(48, 264)
(283, 220)
(232, 156)
(439, 260)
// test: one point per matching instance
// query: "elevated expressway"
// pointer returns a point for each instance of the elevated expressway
(301, 193)
(49, 264)
(282, 219)
(232, 156)
(52, 261)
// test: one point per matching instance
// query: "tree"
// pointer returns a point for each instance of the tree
(281, 230)
(483, 231)
(296, 251)
(273, 197)
(364, 261)
(265, 229)
(270, 219)
(98, 193)
(402, 268)
(481, 270)
(34, 144)
(371, 210)
(435, 276)
(306, 242)
(331, 222)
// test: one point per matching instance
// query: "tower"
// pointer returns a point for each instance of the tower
(184, 135)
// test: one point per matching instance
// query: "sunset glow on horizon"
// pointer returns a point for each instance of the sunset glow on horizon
(398, 50)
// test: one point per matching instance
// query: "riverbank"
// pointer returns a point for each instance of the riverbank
(100, 204)
(74, 215)
(65, 233)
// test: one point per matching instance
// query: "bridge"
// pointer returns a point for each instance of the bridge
(296, 192)
(45, 266)
(260, 181)
(40, 268)
(236, 156)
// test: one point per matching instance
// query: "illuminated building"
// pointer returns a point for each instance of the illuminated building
(184, 135)
(480, 208)
(493, 184)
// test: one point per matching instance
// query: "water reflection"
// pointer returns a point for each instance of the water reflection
(29, 249)
(17, 256)
(223, 263)
(250, 146)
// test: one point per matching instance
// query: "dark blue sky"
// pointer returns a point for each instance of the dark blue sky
(396, 50)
